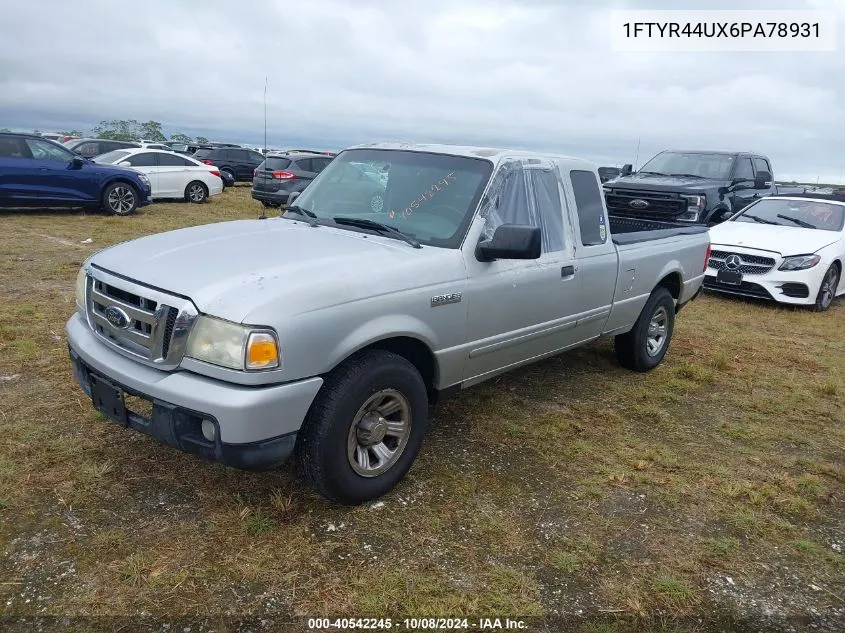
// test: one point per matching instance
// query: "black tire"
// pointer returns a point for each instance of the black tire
(827, 289)
(638, 351)
(196, 192)
(325, 443)
(230, 173)
(120, 198)
(270, 205)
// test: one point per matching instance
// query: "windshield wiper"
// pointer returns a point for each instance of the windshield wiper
(364, 223)
(688, 175)
(312, 217)
(653, 173)
(757, 218)
(801, 223)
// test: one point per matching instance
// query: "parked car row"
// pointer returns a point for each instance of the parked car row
(769, 241)
(35, 171)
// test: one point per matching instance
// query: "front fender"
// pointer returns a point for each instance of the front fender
(380, 329)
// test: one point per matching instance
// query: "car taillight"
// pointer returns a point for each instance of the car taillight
(206, 161)
(706, 258)
(283, 175)
(215, 172)
(254, 173)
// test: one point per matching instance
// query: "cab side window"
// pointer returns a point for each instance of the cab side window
(588, 202)
(744, 170)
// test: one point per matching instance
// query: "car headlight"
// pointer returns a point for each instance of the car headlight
(695, 205)
(234, 346)
(81, 289)
(799, 262)
(143, 178)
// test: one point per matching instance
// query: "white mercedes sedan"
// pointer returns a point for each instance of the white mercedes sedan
(790, 249)
(171, 175)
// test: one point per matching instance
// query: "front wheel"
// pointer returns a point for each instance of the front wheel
(196, 192)
(120, 198)
(643, 348)
(827, 291)
(365, 427)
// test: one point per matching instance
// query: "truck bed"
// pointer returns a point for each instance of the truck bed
(625, 230)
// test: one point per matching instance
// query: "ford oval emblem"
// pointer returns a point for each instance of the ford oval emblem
(117, 317)
(638, 204)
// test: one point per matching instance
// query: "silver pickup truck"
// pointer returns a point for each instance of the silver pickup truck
(401, 274)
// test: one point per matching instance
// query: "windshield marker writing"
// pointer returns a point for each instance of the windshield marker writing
(426, 196)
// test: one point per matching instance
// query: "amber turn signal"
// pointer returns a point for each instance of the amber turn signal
(262, 352)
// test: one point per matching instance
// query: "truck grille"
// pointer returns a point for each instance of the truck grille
(147, 324)
(660, 204)
(748, 264)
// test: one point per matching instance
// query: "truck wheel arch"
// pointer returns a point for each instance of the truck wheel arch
(409, 345)
(673, 282)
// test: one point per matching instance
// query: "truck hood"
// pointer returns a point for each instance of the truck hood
(664, 183)
(786, 240)
(233, 269)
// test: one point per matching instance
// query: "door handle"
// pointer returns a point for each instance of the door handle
(567, 271)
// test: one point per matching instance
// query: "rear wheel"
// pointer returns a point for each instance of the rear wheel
(196, 192)
(365, 427)
(644, 347)
(827, 291)
(120, 198)
(270, 205)
(229, 174)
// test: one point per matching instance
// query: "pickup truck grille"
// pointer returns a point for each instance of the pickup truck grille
(748, 264)
(660, 204)
(150, 325)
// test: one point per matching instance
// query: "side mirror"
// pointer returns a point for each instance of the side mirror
(763, 180)
(511, 241)
(124, 163)
(293, 196)
(627, 169)
(77, 161)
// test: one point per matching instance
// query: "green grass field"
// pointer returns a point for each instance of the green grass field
(712, 485)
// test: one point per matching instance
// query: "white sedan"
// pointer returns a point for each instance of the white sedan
(171, 175)
(787, 248)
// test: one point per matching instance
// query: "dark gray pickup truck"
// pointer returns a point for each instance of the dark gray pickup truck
(699, 187)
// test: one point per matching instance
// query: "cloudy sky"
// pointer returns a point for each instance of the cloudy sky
(534, 74)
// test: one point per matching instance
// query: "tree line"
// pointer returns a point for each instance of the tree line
(129, 130)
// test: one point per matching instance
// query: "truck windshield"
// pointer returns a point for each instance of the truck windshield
(429, 197)
(807, 214)
(714, 166)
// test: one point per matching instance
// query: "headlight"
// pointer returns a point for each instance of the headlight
(143, 178)
(695, 205)
(799, 262)
(81, 283)
(231, 345)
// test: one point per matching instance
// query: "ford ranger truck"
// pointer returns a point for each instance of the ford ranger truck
(401, 274)
(693, 186)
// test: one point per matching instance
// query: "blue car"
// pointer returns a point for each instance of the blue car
(36, 172)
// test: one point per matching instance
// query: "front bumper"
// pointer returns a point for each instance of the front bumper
(255, 427)
(789, 287)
